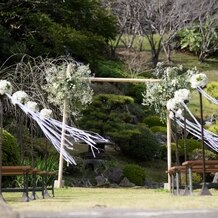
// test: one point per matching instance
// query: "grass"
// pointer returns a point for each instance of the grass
(132, 198)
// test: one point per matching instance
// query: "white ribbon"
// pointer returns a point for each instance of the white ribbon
(52, 130)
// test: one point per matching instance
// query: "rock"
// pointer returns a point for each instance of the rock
(126, 183)
(215, 178)
(114, 174)
(102, 181)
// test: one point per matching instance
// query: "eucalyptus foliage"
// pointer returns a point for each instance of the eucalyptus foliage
(172, 79)
(73, 88)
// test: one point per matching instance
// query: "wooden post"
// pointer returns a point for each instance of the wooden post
(1, 140)
(169, 159)
(122, 80)
(64, 121)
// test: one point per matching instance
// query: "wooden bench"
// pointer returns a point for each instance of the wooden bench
(26, 172)
(192, 166)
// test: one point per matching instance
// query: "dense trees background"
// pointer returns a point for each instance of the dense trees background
(81, 29)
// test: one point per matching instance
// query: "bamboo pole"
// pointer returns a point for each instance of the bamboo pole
(169, 159)
(122, 80)
(64, 121)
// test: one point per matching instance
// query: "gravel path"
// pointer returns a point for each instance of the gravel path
(121, 213)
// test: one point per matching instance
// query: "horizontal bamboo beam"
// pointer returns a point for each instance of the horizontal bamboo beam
(122, 80)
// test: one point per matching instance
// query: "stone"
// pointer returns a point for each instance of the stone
(114, 174)
(102, 181)
(126, 183)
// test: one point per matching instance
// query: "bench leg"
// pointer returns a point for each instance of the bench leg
(190, 180)
(33, 197)
(25, 196)
(177, 183)
(43, 187)
(186, 191)
(172, 183)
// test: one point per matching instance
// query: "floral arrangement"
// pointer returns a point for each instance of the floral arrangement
(46, 113)
(20, 96)
(182, 95)
(73, 88)
(199, 80)
(5, 87)
(173, 104)
(172, 79)
(33, 106)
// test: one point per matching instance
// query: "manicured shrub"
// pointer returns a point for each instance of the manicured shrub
(212, 89)
(209, 155)
(213, 128)
(10, 148)
(136, 141)
(135, 174)
(161, 129)
(153, 121)
(192, 144)
(196, 178)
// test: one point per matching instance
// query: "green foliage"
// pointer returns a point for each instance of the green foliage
(190, 39)
(153, 121)
(161, 129)
(209, 155)
(81, 28)
(135, 174)
(136, 141)
(109, 68)
(192, 144)
(45, 164)
(10, 150)
(106, 112)
(213, 128)
(199, 39)
(212, 89)
(157, 94)
(196, 178)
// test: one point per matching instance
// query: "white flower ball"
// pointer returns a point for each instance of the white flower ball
(20, 96)
(5, 87)
(33, 106)
(46, 113)
(182, 95)
(199, 80)
(172, 104)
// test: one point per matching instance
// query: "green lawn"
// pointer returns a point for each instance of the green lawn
(132, 198)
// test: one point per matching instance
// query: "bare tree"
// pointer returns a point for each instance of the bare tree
(206, 19)
(158, 20)
(126, 12)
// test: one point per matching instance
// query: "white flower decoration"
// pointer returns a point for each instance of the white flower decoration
(20, 96)
(173, 104)
(33, 106)
(46, 113)
(5, 87)
(179, 113)
(199, 80)
(182, 95)
(171, 115)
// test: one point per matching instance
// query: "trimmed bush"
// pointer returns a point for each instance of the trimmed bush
(192, 144)
(135, 174)
(209, 155)
(161, 129)
(10, 148)
(153, 121)
(136, 141)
